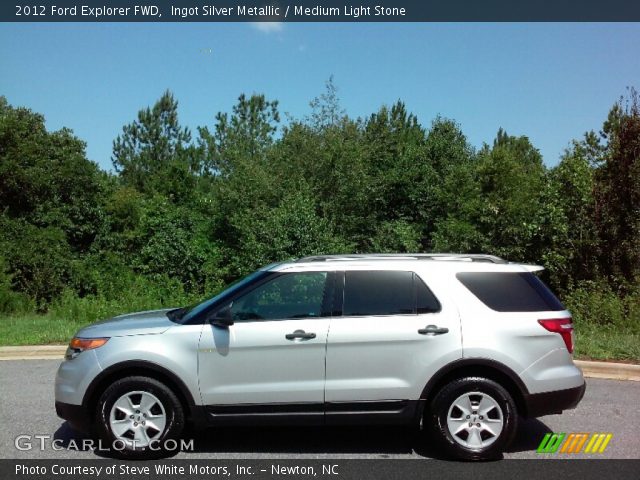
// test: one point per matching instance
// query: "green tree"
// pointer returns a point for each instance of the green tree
(399, 178)
(513, 185)
(39, 260)
(50, 203)
(325, 108)
(243, 136)
(331, 163)
(450, 200)
(11, 302)
(618, 189)
(576, 247)
(238, 152)
(154, 153)
(46, 179)
(290, 230)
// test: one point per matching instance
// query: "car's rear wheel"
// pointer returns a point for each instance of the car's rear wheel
(137, 416)
(473, 418)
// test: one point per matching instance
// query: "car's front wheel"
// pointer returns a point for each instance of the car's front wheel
(473, 418)
(137, 416)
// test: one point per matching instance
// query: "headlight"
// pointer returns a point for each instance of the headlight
(79, 345)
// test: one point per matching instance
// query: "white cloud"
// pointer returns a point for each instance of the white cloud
(268, 27)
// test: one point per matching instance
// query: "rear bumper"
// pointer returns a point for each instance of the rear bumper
(76, 415)
(549, 403)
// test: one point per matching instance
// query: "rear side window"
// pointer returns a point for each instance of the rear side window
(510, 291)
(426, 301)
(386, 293)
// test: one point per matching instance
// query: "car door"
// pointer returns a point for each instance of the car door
(394, 333)
(272, 359)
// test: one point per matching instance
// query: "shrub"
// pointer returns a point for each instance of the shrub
(12, 302)
(596, 304)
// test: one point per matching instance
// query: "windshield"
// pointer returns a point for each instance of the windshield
(190, 312)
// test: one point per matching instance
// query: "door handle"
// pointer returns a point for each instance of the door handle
(433, 329)
(299, 334)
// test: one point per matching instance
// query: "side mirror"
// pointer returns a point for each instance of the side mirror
(222, 318)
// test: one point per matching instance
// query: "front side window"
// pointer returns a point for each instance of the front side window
(190, 313)
(287, 296)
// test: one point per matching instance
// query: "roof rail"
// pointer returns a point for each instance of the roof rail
(464, 257)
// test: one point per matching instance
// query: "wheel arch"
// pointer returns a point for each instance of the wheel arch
(476, 367)
(138, 368)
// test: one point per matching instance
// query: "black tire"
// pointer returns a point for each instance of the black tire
(440, 405)
(173, 413)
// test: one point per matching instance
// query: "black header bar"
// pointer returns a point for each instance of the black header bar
(320, 11)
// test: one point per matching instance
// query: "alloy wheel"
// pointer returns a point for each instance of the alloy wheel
(475, 420)
(137, 419)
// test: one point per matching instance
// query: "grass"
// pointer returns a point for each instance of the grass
(607, 322)
(66, 317)
(36, 330)
(603, 344)
(70, 313)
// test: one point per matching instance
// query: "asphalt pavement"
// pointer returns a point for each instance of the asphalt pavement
(27, 411)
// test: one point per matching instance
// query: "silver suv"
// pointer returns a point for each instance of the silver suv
(457, 344)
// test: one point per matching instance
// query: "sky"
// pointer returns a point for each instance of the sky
(550, 82)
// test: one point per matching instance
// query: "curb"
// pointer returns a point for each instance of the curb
(33, 352)
(614, 371)
(590, 369)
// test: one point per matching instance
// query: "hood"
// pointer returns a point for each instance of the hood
(140, 323)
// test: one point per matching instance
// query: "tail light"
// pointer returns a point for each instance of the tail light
(563, 326)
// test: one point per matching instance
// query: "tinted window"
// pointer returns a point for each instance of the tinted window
(426, 301)
(292, 295)
(510, 292)
(378, 293)
(228, 292)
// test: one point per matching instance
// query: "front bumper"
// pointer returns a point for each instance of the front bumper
(550, 403)
(74, 377)
(76, 415)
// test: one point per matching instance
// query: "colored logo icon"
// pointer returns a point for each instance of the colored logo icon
(574, 443)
